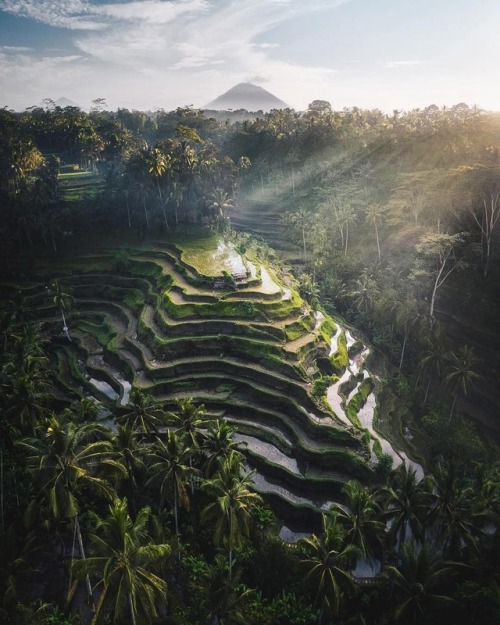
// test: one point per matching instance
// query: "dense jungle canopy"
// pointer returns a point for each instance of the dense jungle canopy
(361, 236)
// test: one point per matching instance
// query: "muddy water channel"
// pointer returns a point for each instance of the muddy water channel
(338, 401)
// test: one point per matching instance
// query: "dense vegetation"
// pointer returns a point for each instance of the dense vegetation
(391, 221)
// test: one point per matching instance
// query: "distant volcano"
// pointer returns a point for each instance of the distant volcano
(246, 96)
(64, 102)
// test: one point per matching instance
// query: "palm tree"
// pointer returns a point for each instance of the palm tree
(128, 452)
(345, 216)
(301, 219)
(26, 385)
(218, 443)
(418, 584)
(142, 194)
(125, 561)
(220, 203)
(65, 458)
(329, 559)
(406, 314)
(364, 294)
(190, 421)
(406, 503)
(360, 518)
(461, 372)
(375, 214)
(457, 523)
(226, 595)
(432, 361)
(234, 498)
(158, 163)
(169, 469)
(144, 414)
(63, 301)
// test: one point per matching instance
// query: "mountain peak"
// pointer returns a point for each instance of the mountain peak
(246, 96)
(64, 102)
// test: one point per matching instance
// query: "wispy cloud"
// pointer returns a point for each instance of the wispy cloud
(152, 11)
(15, 49)
(187, 49)
(71, 14)
(396, 64)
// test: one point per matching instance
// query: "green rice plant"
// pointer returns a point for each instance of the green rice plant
(340, 360)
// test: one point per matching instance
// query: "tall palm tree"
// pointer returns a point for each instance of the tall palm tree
(218, 443)
(226, 595)
(461, 372)
(143, 413)
(125, 560)
(406, 315)
(360, 518)
(374, 216)
(406, 503)
(158, 163)
(27, 389)
(231, 509)
(130, 454)
(419, 583)
(329, 559)
(220, 203)
(457, 524)
(142, 194)
(63, 300)
(190, 422)
(65, 459)
(432, 361)
(168, 468)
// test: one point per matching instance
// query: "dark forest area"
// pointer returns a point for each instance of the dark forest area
(363, 235)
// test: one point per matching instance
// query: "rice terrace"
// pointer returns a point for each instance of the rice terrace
(250, 365)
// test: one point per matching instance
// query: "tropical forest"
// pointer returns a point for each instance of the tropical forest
(250, 366)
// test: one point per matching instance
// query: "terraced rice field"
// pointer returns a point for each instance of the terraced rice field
(166, 325)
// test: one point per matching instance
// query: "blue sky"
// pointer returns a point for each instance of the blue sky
(149, 54)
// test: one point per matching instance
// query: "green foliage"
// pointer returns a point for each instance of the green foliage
(39, 613)
(321, 384)
(359, 400)
(102, 332)
(340, 360)
(457, 439)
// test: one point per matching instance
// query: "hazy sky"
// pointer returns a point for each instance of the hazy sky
(149, 54)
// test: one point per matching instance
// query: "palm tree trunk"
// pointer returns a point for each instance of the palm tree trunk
(452, 408)
(175, 511)
(146, 213)
(128, 209)
(403, 351)
(230, 562)
(427, 390)
(99, 606)
(65, 327)
(82, 553)
(378, 242)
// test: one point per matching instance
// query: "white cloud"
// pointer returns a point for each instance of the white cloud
(176, 51)
(71, 14)
(152, 11)
(395, 64)
(15, 49)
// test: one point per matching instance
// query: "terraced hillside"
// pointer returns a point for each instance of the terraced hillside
(185, 320)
